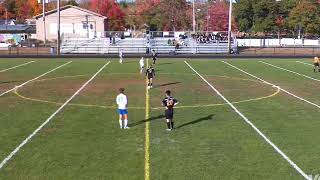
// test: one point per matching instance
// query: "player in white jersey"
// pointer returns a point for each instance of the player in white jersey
(120, 56)
(141, 62)
(122, 102)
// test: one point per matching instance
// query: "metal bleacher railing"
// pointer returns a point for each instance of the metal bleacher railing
(144, 42)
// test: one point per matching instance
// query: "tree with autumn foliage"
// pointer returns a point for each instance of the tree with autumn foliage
(110, 9)
(218, 17)
(27, 9)
(162, 15)
(305, 16)
(4, 13)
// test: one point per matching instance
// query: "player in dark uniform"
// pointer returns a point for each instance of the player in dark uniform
(154, 56)
(150, 73)
(169, 102)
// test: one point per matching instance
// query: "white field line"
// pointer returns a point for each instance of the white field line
(290, 71)
(304, 63)
(34, 79)
(273, 85)
(5, 160)
(17, 66)
(295, 166)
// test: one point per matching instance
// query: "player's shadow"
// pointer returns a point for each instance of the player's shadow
(166, 84)
(207, 118)
(164, 64)
(146, 120)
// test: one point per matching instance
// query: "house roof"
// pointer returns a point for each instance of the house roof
(67, 7)
(21, 28)
(9, 21)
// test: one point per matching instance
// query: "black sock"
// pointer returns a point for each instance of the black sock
(172, 125)
(168, 124)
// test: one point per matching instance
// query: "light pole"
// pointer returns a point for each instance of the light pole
(58, 32)
(229, 28)
(44, 21)
(193, 17)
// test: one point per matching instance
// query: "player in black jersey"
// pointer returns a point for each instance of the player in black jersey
(150, 73)
(169, 102)
(154, 56)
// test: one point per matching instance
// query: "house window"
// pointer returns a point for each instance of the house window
(91, 26)
(84, 25)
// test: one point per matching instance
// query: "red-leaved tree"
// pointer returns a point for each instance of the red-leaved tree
(218, 19)
(112, 11)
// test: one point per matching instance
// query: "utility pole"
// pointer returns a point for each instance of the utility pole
(208, 18)
(229, 28)
(44, 23)
(193, 17)
(87, 22)
(6, 16)
(58, 38)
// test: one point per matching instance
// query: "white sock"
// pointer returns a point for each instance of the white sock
(120, 122)
(126, 123)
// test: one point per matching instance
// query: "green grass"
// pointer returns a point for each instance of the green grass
(210, 142)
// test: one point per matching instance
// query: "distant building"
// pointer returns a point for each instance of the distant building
(13, 34)
(75, 22)
(7, 21)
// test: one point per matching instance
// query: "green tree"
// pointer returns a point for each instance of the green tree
(265, 15)
(72, 2)
(306, 16)
(243, 13)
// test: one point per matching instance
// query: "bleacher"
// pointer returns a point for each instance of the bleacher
(139, 45)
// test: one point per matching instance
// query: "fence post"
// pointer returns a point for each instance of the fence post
(313, 53)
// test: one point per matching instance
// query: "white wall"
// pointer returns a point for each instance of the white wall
(277, 42)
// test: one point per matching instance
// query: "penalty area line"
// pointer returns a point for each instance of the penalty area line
(25, 141)
(304, 63)
(34, 78)
(17, 66)
(294, 165)
(273, 85)
(293, 72)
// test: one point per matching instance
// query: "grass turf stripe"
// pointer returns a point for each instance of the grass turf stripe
(10, 90)
(293, 72)
(25, 141)
(273, 85)
(294, 165)
(4, 70)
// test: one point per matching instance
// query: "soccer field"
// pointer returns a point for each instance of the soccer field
(236, 119)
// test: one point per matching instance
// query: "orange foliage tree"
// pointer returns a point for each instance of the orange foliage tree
(112, 11)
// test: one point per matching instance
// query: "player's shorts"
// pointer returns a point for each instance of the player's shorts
(316, 64)
(154, 58)
(169, 114)
(122, 111)
(150, 77)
